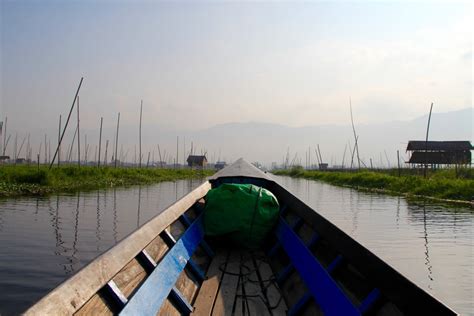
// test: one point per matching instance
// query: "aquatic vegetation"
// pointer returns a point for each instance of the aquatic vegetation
(443, 184)
(29, 180)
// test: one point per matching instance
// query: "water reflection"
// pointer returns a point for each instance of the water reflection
(429, 243)
(427, 251)
(45, 239)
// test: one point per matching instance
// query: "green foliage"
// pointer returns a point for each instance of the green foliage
(22, 179)
(442, 184)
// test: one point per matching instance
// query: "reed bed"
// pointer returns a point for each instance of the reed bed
(442, 184)
(29, 180)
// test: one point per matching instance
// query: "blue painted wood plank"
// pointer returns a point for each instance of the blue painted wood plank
(204, 245)
(369, 300)
(323, 288)
(334, 264)
(285, 273)
(154, 291)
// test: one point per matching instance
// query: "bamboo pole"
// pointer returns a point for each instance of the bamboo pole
(398, 159)
(86, 149)
(67, 121)
(5, 136)
(45, 149)
(21, 146)
(140, 137)
(159, 154)
(386, 157)
(78, 137)
(426, 141)
(177, 151)
(100, 140)
(28, 150)
(320, 156)
(353, 129)
(106, 147)
(49, 150)
(116, 139)
(72, 145)
(15, 147)
(39, 152)
(59, 141)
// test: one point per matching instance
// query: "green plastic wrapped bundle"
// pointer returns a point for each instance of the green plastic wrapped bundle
(242, 212)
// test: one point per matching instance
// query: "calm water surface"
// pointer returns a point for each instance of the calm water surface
(45, 240)
(429, 243)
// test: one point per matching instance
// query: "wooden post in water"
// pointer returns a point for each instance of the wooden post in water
(38, 159)
(72, 145)
(49, 150)
(116, 139)
(177, 151)
(5, 136)
(59, 141)
(100, 140)
(344, 157)
(28, 150)
(426, 141)
(45, 149)
(67, 121)
(78, 137)
(106, 147)
(140, 138)
(86, 146)
(21, 147)
(355, 137)
(39, 151)
(159, 154)
(398, 159)
(15, 147)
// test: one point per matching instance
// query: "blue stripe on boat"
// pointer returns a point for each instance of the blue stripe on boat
(324, 289)
(154, 291)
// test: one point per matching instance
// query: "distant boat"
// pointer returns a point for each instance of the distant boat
(168, 267)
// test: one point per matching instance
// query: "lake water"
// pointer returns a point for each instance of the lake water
(45, 240)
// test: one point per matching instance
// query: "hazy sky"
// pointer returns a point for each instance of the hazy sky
(198, 64)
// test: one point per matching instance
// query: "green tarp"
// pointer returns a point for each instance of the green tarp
(242, 212)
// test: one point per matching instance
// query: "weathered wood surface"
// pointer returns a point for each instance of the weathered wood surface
(68, 297)
(209, 288)
(95, 306)
(242, 289)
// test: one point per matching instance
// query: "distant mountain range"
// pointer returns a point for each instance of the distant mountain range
(267, 143)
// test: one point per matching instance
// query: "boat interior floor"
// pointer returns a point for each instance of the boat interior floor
(239, 282)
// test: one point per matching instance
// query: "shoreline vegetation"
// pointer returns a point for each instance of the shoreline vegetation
(445, 184)
(31, 180)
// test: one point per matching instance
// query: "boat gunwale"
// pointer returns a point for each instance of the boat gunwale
(70, 295)
(390, 281)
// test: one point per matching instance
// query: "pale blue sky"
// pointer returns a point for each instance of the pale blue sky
(197, 64)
